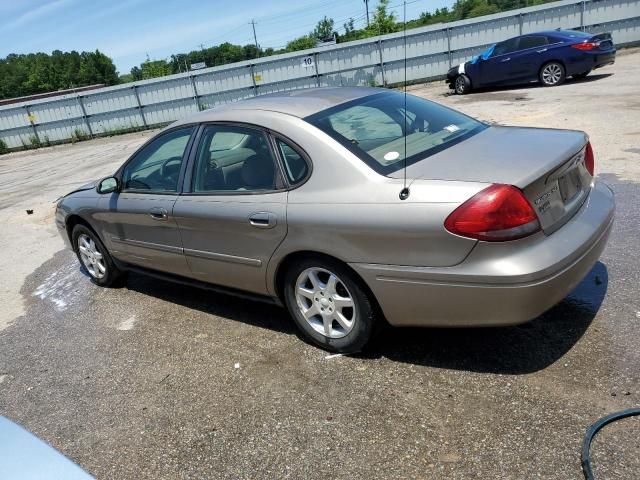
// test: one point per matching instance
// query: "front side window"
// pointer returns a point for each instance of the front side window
(505, 47)
(157, 166)
(373, 128)
(232, 158)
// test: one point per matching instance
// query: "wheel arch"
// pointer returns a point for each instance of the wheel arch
(70, 223)
(551, 60)
(289, 259)
(465, 75)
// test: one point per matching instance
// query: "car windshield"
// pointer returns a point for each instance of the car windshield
(373, 128)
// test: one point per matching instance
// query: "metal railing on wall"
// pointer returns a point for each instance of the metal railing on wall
(430, 51)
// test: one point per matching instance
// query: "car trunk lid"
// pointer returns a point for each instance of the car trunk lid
(546, 164)
(603, 41)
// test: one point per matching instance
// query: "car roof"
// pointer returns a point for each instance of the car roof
(299, 103)
(559, 33)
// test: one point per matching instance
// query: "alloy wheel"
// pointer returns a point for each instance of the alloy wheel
(551, 74)
(325, 302)
(460, 85)
(91, 257)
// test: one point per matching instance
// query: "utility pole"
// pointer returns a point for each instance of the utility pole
(255, 39)
(366, 7)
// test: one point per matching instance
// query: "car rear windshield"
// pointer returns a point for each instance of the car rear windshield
(373, 128)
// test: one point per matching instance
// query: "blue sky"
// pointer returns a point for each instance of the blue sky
(128, 30)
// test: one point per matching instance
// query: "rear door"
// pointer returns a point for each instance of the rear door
(138, 221)
(497, 67)
(533, 52)
(232, 215)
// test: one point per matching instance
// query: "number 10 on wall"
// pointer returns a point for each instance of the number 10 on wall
(308, 62)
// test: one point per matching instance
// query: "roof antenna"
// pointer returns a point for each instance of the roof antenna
(404, 193)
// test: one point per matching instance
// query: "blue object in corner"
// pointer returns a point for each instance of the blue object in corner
(24, 456)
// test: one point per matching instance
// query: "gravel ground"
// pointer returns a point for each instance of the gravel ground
(154, 380)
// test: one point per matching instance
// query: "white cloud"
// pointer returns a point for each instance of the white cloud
(38, 12)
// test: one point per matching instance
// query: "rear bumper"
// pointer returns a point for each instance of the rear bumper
(604, 59)
(498, 284)
(590, 60)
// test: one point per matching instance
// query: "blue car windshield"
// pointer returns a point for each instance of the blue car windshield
(373, 128)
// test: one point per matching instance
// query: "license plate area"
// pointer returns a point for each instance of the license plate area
(570, 185)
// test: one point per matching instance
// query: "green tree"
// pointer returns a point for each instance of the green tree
(40, 72)
(136, 73)
(155, 68)
(301, 43)
(324, 29)
(482, 7)
(383, 21)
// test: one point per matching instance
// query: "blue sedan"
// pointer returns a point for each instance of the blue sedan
(547, 57)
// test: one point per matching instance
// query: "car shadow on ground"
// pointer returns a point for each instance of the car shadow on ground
(509, 350)
(592, 77)
(251, 312)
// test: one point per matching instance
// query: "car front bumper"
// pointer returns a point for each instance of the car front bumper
(61, 225)
(497, 284)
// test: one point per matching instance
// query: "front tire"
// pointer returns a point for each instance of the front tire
(329, 304)
(552, 74)
(94, 257)
(462, 84)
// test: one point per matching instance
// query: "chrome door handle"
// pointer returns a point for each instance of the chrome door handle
(158, 213)
(505, 59)
(541, 50)
(263, 219)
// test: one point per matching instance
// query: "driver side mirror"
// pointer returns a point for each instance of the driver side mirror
(108, 185)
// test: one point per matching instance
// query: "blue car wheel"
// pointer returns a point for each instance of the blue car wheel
(552, 74)
(462, 84)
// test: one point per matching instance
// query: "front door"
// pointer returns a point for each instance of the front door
(233, 216)
(138, 222)
(497, 68)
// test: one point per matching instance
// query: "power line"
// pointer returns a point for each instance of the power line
(300, 12)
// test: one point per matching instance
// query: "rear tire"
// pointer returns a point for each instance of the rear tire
(94, 257)
(552, 74)
(580, 76)
(330, 304)
(462, 84)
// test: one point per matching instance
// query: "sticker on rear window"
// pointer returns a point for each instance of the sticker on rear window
(451, 128)
(391, 156)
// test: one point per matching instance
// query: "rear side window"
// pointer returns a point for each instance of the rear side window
(295, 166)
(532, 41)
(232, 158)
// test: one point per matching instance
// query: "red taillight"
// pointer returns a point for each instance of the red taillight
(496, 214)
(585, 46)
(589, 160)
